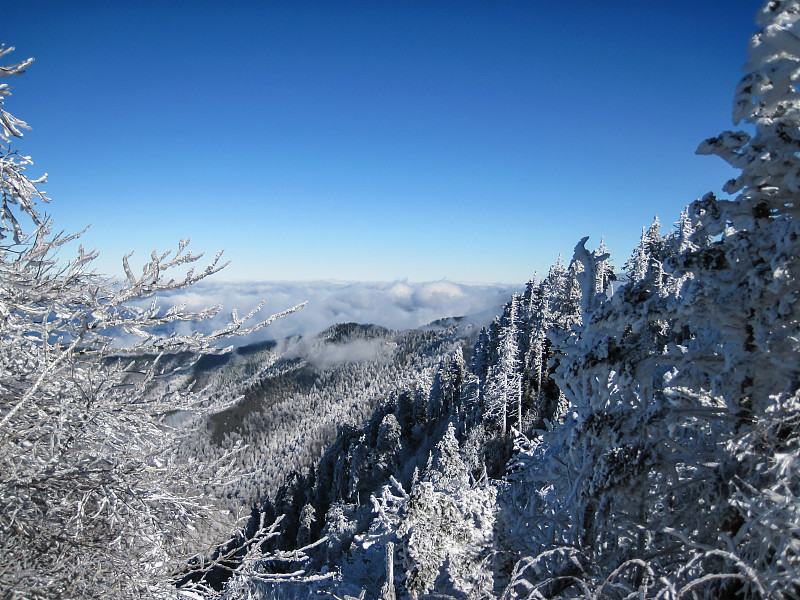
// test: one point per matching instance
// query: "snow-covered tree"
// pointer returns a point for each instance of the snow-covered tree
(446, 389)
(94, 500)
(307, 518)
(593, 274)
(503, 395)
(648, 256)
(447, 527)
(676, 467)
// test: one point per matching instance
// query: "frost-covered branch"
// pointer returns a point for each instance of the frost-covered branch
(95, 501)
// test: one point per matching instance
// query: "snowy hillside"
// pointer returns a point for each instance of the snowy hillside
(297, 394)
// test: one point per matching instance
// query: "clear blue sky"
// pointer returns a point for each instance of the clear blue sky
(473, 141)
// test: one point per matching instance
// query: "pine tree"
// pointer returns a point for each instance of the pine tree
(446, 389)
(307, 518)
(504, 381)
(447, 527)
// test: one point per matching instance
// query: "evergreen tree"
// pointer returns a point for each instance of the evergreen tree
(481, 356)
(307, 518)
(446, 389)
(447, 527)
(503, 396)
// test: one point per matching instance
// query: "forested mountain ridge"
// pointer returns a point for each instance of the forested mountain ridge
(643, 443)
(296, 393)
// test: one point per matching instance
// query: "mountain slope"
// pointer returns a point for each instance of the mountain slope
(296, 394)
(636, 444)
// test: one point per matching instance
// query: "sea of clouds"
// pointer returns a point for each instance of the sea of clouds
(394, 305)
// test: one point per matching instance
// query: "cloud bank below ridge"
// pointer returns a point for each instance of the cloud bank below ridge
(394, 305)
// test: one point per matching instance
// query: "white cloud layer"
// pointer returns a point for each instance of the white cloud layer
(395, 305)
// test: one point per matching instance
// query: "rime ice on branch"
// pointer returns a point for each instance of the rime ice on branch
(93, 498)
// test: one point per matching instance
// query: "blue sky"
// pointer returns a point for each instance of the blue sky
(374, 141)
